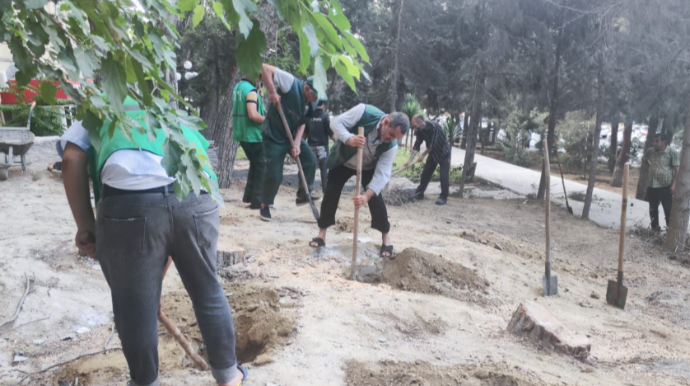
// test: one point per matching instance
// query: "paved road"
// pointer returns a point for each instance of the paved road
(606, 206)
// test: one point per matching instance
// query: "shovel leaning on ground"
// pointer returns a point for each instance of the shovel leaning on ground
(549, 282)
(358, 190)
(302, 179)
(617, 293)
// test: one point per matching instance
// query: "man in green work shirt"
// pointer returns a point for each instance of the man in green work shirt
(297, 99)
(664, 163)
(247, 119)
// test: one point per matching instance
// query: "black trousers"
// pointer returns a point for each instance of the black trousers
(654, 196)
(428, 171)
(337, 177)
(257, 169)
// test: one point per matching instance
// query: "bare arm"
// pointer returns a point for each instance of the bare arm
(76, 181)
(298, 140)
(267, 73)
(252, 110)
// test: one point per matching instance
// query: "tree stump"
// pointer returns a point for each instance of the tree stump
(228, 255)
(539, 325)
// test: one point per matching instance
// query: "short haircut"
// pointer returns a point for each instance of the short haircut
(660, 136)
(399, 119)
(419, 117)
(321, 103)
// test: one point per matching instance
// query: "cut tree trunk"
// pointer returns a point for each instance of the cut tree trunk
(540, 326)
(617, 180)
(596, 134)
(677, 233)
(396, 71)
(613, 148)
(474, 127)
(641, 192)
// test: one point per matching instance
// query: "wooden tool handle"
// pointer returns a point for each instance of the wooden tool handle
(177, 334)
(547, 204)
(358, 190)
(624, 211)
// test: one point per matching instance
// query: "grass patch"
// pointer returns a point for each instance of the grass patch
(240, 153)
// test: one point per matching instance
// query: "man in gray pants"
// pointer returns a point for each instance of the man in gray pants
(140, 223)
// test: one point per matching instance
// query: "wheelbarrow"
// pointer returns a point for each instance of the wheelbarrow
(15, 142)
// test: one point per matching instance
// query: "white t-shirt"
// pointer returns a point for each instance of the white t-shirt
(125, 169)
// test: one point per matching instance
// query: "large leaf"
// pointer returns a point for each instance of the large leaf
(313, 41)
(357, 45)
(338, 17)
(320, 78)
(249, 52)
(244, 8)
(114, 83)
(304, 55)
(199, 13)
(48, 90)
(218, 9)
(86, 59)
(142, 83)
(34, 4)
(328, 29)
(187, 5)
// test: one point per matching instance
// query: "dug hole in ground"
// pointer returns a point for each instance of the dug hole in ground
(435, 315)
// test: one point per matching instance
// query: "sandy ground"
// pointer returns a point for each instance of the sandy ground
(299, 321)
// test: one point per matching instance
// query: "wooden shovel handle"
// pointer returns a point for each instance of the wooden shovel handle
(360, 131)
(547, 206)
(624, 211)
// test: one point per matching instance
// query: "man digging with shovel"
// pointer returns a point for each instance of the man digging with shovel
(139, 223)
(296, 101)
(379, 144)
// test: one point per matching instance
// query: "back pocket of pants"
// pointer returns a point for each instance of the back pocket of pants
(123, 235)
(207, 228)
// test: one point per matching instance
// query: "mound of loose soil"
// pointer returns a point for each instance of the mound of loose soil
(425, 374)
(417, 271)
(502, 243)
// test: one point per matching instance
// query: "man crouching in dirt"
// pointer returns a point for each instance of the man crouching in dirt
(379, 145)
(140, 222)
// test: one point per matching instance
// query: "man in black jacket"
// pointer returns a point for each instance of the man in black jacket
(437, 146)
(319, 131)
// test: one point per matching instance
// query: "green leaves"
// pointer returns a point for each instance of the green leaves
(33, 4)
(244, 8)
(218, 9)
(320, 78)
(198, 16)
(249, 52)
(187, 5)
(48, 90)
(114, 83)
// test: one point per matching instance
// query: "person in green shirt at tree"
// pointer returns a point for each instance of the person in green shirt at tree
(664, 163)
(247, 120)
(297, 99)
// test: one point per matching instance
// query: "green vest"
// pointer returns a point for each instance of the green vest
(103, 145)
(294, 104)
(340, 152)
(243, 128)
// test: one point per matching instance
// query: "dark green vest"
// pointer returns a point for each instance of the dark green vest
(294, 104)
(340, 152)
(243, 128)
(103, 145)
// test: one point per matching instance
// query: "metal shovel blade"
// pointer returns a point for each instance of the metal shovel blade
(314, 211)
(616, 294)
(550, 285)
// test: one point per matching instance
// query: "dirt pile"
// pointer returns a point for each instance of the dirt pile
(425, 374)
(417, 271)
(502, 243)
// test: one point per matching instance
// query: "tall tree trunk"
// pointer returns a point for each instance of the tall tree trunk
(394, 81)
(474, 126)
(617, 180)
(494, 131)
(596, 134)
(678, 226)
(465, 129)
(641, 193)
(553, 108)
(613, 148)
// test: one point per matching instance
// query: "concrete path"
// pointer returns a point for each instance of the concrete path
(606, 206)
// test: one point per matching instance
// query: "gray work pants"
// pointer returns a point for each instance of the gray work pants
(135, 234)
